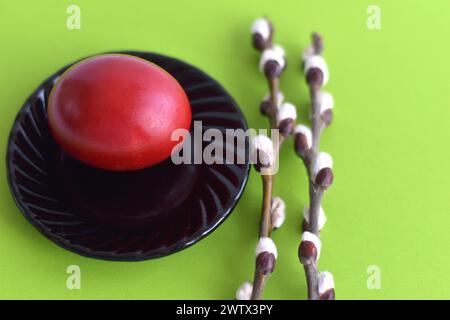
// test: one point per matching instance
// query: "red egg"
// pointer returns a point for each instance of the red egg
(117, 112)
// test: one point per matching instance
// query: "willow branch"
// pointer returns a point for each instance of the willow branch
(272, 65)
(319, 171)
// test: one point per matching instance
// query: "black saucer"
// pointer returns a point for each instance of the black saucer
(125, 215)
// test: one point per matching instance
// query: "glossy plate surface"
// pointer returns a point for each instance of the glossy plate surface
(125, 215)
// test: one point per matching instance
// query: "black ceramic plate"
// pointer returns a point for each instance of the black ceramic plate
(130, 215)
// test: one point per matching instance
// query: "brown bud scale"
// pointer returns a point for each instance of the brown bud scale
(286, 127)
(324, 178)
(265, 262)
(258, 42)
(327, 116)
(301, 144)
(262, 160)
(328, 295)
(272, 69)
(264, 107)
(314, 77)
(307, 252)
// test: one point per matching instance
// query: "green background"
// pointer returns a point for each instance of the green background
(388, 206)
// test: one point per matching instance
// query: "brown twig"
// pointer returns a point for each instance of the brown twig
(318, 181)
(272, 70)
(266, 225)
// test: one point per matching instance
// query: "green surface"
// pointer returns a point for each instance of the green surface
(388, 206)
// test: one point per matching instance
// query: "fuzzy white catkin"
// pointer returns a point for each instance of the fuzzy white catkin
(280, 98)
(322, 217)
(316, 61)
(323, 160)
(326, 101)
(274, 53)
(325, 282)
(306, 131)
(278, 212)
(311, 237)
(244, 292)
(262, 27)
(279, 50)
(266, 244)
(286, 111)
(307, 53)
(263, 143)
